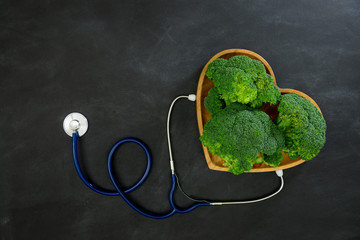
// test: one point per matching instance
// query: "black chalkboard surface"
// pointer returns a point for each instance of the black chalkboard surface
(121, 63)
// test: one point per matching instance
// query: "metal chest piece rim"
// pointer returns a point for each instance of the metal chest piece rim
(75, 122)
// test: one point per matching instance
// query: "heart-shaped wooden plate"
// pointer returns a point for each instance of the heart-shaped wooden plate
(214, 162)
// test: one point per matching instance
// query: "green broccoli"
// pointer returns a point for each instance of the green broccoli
(213, 103)
(244, 80)
(214, 66)
(238, 133)
(273, 160)
(246, 64)
(303, 126)
(276, 157)
(234, 85)
(267, 91)
(259, 68)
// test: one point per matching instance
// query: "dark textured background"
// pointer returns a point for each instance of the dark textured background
(121, 63)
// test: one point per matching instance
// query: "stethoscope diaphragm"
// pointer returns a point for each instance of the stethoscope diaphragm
(75, 122)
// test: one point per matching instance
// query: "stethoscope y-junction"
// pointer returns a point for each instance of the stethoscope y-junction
(76, 125)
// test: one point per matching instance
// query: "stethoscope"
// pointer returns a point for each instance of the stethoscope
(75, 125)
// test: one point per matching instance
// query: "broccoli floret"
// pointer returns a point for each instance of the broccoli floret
(215, 65)
(244, 63)
(270, 157)
(234, 85)
(259, 68)
(213, 103)
(244, 80)
(267, 91)
(303, 126)
(273, 160)
(238, 133)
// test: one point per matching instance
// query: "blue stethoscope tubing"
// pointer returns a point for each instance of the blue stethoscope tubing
(122, 193)
(75, 125)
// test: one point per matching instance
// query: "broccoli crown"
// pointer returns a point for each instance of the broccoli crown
(244, 80)
(234, 85)
(303, 126)
(213, 103)
(238, 133)
(273, 160)
(246, 64)
(267, 91)
(214, 66)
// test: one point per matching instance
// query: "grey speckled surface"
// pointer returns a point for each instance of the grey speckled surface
(121, 63)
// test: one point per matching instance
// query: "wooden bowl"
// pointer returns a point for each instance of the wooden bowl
(214, 162)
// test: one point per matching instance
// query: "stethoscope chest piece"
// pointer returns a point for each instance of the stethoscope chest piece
(75, 122)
